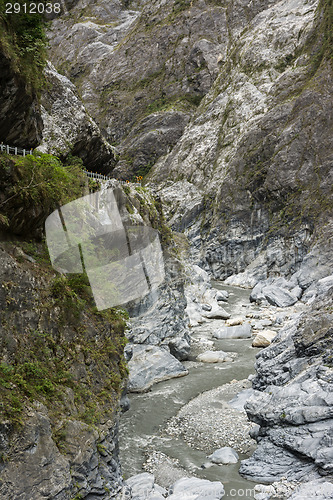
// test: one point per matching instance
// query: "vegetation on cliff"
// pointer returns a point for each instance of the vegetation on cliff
(56, 347)
(32, 187)
(23, 41)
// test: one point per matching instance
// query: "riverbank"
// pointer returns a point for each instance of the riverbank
(170, 430)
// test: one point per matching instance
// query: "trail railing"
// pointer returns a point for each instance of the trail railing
(13, 150)
(10, 150)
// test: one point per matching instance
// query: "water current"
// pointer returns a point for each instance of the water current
(142, 427)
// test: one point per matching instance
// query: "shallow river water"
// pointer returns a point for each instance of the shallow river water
(142, 427)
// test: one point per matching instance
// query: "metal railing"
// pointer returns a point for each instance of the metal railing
(94, 175)
(10, 150)
(13, 150)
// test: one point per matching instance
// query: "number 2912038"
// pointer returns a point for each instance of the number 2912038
(33, 8)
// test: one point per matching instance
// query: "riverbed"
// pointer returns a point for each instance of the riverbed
(152, 437)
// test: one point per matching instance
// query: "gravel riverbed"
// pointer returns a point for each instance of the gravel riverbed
(208, 422)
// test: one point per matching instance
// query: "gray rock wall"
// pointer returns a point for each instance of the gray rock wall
(61, 377)
(293, 399)
(255, 160)
(20, 117)
(33, 466)
(67, 127)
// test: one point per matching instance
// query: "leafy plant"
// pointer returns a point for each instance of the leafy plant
(24, 43)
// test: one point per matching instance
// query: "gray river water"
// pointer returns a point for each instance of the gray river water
(142, 427)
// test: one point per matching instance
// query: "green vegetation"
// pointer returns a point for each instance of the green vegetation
(55, 346)
(42, 178)
(326, 28)
(23, 42)
(165, 103)
(143, 170)
(38, 180)
(46, 364)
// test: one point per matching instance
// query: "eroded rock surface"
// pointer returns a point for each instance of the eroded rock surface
(293, 399)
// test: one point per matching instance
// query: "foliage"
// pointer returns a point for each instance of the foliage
(23, 41)
(38, 181)
(41, 178)
(142, 170)
(43, 365)
(73, 348)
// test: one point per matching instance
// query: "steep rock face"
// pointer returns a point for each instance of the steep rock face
(293, 401)
(62, 367)
(20, 119)
(131, 59)
(55, 122)
(60, 373)
(159, 335)
(258, 152)
(67, 127)
(34, 467)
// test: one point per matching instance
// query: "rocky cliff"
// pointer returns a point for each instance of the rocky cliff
(62, 368)
(253, 168)
(40, 107)
(227, 106)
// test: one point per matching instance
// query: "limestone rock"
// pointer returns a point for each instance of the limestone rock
(234, 332)
(40, 464)
(141, 485)
(239, 401)
(20, 117)
(216, 313)
(224, 456)
(213, 357)
(234, 321)
(293, 403)
(264, 338)
(222, 295)
(194, 487)
(321, 489)
(276, 295)
(152, 364)
(68, 128)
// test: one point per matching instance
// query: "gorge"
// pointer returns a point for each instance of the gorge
(225, 108)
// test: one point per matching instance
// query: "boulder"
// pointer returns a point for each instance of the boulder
(143, 487)
(239, 401)
(193, 311)
(271, 463)
(141, 484)
(216, 313)
(194, 488)
(224, 456)
(279, 297)
(276, 293)
(152, 364)
(321, 490)
(213, 357)
(234, 332)
(179, 348)
(264, 338)
(222, 295)
(235, 321)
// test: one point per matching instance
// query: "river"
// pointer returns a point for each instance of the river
(142, 428)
